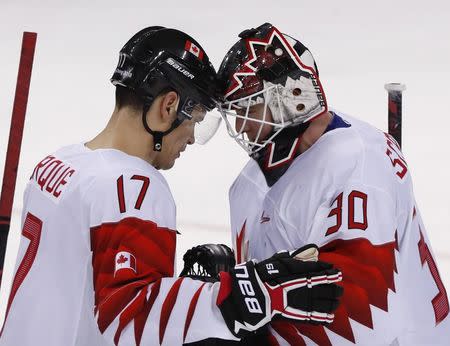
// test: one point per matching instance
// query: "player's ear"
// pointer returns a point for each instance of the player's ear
(168, 106)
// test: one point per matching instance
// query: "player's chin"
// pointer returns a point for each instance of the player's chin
(170, 163)
(258, 139)
(167, 165)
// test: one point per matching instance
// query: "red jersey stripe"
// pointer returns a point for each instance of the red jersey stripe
(191, 311)
(167, 307)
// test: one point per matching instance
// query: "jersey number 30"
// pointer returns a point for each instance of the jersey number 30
(351, 201)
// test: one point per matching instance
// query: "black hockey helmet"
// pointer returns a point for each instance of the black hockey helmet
(157, 59)
(267, 66)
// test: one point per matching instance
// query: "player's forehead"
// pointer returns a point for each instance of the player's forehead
(250, 109)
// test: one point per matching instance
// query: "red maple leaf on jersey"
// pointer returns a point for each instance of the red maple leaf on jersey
(368, 274)
(122, 259)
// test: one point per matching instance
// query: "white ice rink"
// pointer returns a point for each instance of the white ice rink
(358, 46)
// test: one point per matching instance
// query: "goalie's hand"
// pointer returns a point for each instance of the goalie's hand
(293, 286)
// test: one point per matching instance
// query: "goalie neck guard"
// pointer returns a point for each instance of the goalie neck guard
(266, 66)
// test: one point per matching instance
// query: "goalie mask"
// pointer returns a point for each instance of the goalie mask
(275, 71)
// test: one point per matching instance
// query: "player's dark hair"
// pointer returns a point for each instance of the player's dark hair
(128, 98)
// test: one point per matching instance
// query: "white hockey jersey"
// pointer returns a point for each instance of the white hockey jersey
(96, 259)
(351, 194)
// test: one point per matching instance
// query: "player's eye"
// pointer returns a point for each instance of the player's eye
(198, 113)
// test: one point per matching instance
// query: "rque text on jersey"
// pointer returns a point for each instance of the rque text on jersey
(52, 175)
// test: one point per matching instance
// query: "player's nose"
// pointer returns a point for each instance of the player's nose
(191, 138)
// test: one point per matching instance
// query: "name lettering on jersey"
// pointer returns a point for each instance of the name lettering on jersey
(395, 155)
(52, 175)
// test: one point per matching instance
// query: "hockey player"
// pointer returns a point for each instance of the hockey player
(320, 176)
(97, 253)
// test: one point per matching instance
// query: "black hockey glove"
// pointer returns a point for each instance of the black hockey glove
(293, 286)
(204, 262)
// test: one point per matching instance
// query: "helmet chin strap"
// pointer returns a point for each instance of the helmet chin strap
(158, 135)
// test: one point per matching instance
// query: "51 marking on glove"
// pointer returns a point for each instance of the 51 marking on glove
(247, 290)
(271, 269)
